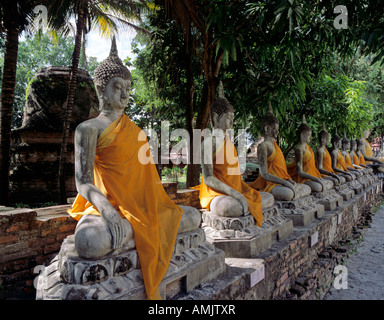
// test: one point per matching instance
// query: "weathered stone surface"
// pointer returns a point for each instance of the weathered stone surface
(302, 211)
(240, 237)
(35, 146)
(118, 276)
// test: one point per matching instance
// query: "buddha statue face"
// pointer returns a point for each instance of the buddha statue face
(272, 130)
(305, 136)
(353, 145)
(115, 95)
(346, 144)
(224, 121)
(324, 138)
(366, 133)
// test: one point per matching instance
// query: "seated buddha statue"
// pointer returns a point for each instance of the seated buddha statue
(273, 175)
(324, 160)
(345, 147)
(303, 169)
(357, 158)
(367, 152)
(222, 191)
(121, 203)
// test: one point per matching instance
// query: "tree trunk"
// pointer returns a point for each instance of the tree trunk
(69, 108)
(7, 97)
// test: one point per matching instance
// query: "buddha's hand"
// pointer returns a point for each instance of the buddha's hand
(244, 203)
(292, 186)
(116, 227)
(322, 185)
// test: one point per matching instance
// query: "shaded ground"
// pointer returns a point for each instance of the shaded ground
(365, 278)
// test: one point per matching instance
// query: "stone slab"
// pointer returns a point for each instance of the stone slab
(330, 199)
(241, 238)
(302, 211)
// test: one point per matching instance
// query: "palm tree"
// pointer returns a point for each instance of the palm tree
(106, 15)
(14, 17)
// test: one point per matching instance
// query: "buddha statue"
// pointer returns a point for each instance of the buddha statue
(345, 148)
(222, 191)
(356, 156)
(121, 203)
(273, 174)
(367, 152)
(303, 169)
(324, 160)
(338, 161)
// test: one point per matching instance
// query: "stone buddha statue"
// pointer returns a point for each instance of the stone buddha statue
(367, 152)
(324, 160)
(345, 151)
(338, 161)
(121, 203)
(273, 174)
(222, 191)
(303, 169)
(356, 156)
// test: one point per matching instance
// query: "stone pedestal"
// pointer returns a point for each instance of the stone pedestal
(345, 192)
(239, 237)
(301, 211)
(356, 186)
(118, 276)
(330, 199)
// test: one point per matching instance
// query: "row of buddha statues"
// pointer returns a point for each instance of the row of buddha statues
(121, 204)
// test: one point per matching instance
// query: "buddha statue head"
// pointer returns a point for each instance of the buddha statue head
(360, 144)
(345, 143)
(336, 141)
(222, 112)
(270, 123)
(112, 77)
(304, 131)
(323, 136)
(353, 145)
(366, 133)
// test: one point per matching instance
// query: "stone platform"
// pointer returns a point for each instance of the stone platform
(330, 199)
(345, 192)
(240, 237)
(302, 211)
(118, 276)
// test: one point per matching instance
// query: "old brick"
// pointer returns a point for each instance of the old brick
(17, 227)
(7, 239)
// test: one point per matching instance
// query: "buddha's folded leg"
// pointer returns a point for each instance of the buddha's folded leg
(328, 183)
(93, 238)
(190, 220)
(283, 193)
(267, 199)
(302, 190)
(226, 206)
(315, 186)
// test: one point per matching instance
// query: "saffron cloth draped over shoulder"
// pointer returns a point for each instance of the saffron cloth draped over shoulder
(340, 162)
(226, 168)
(362, 160)
(276, 166)
(348, 160)
(309, 166)
(356, 160)
(368, 150)
(327, 162)
(136, 192)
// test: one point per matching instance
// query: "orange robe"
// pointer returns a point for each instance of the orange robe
(309, 167)
(135, 190)
(226, 168)
(276, 166)
(327, 162)
(356, 160)
(348, 160)
(340, 163)
(362, 160)
(368, 150)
